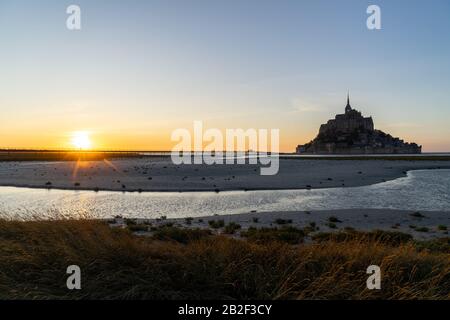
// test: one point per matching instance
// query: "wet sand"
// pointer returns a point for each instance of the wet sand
(159, 174)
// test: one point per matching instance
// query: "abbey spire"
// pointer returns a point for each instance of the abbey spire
(348, 107)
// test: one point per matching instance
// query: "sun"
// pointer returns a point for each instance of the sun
(81, 140)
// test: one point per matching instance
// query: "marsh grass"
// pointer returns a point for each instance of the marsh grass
(216, 224)
(181, 235)
(231, 228)
(116, 264)
(378, 236)
(286, 234)
(282, 221)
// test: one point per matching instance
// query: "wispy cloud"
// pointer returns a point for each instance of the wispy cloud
(303, 106)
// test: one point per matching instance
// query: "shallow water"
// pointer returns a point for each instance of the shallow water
(427, 190)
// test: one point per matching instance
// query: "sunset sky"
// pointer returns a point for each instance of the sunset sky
(140, 69)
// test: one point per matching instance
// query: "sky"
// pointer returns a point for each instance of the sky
(138, 70)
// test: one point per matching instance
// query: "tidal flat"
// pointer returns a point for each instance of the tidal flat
(160, 174)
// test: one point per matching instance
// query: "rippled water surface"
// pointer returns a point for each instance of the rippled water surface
(420, 190)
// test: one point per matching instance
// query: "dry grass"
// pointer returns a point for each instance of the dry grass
(116, 264)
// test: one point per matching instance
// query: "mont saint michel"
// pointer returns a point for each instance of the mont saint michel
(352, 133)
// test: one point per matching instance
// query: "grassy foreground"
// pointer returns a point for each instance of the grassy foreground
(115, 264)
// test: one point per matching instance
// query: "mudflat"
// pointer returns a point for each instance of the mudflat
(160, 174)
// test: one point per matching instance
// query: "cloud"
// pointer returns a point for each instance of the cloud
(302, 106)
